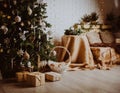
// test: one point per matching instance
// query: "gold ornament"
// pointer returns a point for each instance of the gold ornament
(29, 23)
(8, 17)
(3, 16)
(26, 55)
(1, 50)
(22, 24)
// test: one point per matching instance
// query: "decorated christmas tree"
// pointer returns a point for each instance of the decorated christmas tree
(24, 34)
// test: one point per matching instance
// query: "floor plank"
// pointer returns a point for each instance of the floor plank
(81, 81)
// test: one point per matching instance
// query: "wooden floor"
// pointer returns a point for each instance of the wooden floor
(82, 81)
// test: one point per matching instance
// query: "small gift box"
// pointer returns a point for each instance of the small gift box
(36, 79)
(52, 76)
(21, 76)
(117, 40)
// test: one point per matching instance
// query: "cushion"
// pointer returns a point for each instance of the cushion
(94, 38)
(107, 37)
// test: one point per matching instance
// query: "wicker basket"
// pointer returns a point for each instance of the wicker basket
(59, 67)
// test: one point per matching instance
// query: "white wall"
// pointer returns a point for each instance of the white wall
(64, 13)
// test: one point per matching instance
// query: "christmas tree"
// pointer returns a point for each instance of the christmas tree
(24, 33)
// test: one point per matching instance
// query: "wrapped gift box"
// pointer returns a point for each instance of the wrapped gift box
(21, 76)
(52, 76)
(36, 79)
(117, 40)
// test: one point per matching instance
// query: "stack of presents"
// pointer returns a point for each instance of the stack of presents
(37, 78)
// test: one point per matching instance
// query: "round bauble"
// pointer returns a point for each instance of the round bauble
(1, 50)
(26, 56)
(5, 5)
(17, 19)
(8, 17)
(22, 24)
(4, 28)
(28, 64)
(49, 33)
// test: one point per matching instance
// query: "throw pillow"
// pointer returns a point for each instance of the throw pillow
(94, 38)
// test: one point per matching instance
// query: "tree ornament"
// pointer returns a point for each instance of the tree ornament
(42, 10)
(43, 25)
(22, 24)
(20, 52)
(49, 33)
(29, 10)
(14, 40)
(4, 28)
(22, 65)
(26, 56)
(39, 36)
(3, 16)
(29, 23)
(8, 17)
(22, 36)
(14, 2)
(17, 19)
(8, 51)
(35, 14)
(25, 32)
(1, 50)
(36, 5)
(29, 64)
(5, 5)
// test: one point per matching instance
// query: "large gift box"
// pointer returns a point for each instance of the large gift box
(21, 76)
(52, 76)
(36, 79)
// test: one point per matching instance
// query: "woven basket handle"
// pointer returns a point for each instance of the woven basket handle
(69, 62)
